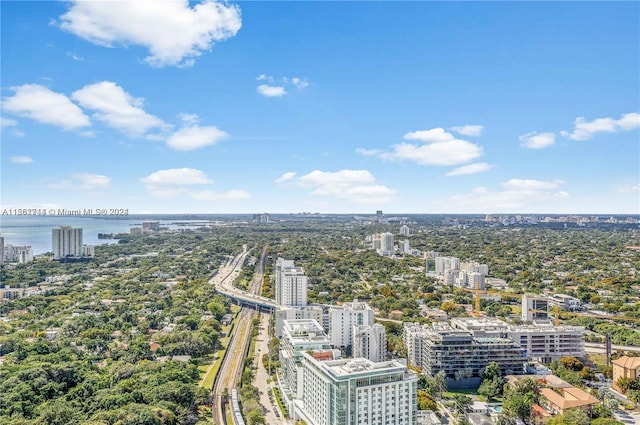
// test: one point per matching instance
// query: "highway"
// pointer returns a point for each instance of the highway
(597, 348)
(233, 363)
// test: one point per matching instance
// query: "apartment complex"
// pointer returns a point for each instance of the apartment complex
(342, 319)
(291, 284)
(17, 254)
(357, 392)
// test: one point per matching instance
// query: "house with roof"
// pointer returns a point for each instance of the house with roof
(625, 367)
(562, 399)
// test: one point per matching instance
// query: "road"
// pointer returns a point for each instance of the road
(597, 348)
(233, 362)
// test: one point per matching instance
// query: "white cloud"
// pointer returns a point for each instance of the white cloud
(271, 91)
(75, 57)
(265, 77)
(278, 87)
(173, 32)
(7, 122)
(83, 181)
(517, 196)
(438, 148)
(585, 130)
(231, 195)
(189, 119)
(368, 152)
(433, 135)
(285, 177)
(530, 184)
(478, 167)
(451, 152)
(175, 182)
(353, 185)
(195, 137)
(468, 130)
(535, 140)
(117, 108)
(299, 82)
(45, 106)
(21, 160)
(176, 177)
(629, 188)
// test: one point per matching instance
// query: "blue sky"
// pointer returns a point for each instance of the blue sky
(333, 107)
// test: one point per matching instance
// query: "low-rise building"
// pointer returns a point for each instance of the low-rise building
(625, 367)
(557, 402)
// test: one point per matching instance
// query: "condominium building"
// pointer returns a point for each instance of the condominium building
(150, 226)
(404, 230)
(291, 284)
(298, 336)
(369, 342)
(445, 264)
(540, 340)
(386, 243)
(18, 254)
(1, 250)
(344, 317)
(413, 334)
(66, 242)
(357, 392)
(459, 353)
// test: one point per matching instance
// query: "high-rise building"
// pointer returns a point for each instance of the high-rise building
(344, 317)
(404, 230)
(67, 242)
(291, 284)
(150, 225)
(1, 250)
(18, 254)
(298, 336)
(357, 392)
(386, 243)
(319, 313)
(379, 216)
(370, 342)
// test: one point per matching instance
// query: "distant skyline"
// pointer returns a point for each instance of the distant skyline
(330, 107)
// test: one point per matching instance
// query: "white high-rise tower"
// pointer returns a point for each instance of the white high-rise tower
(66, 242)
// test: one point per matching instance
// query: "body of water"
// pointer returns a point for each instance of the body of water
(36, 230)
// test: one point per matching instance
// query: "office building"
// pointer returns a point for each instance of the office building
(343, 318)
(291, 284)
(357, 392)
(369, 342)
(67, 242)
(379, 216)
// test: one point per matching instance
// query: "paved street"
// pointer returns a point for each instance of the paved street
(261, 376)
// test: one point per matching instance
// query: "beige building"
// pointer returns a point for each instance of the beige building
(625, 367)
(566, 398)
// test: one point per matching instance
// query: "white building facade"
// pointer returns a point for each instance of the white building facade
(291, 284)
(357, 392)
(66, 242)
(370, 342)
